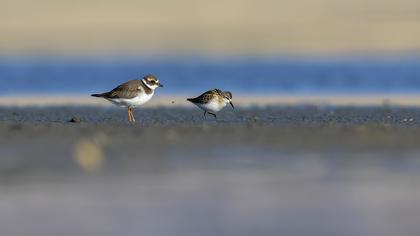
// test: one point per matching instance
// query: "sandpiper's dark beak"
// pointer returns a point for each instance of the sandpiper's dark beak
(232, 105)
(160, 85)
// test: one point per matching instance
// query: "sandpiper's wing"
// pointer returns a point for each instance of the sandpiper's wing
(205, 97)
(126, 90)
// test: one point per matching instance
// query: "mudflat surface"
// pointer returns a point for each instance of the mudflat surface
(254, 171)
(271, 115)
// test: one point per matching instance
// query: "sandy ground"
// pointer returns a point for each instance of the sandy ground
(283, 170)
(262, 27)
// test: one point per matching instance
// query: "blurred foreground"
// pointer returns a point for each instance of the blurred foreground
(256, 171)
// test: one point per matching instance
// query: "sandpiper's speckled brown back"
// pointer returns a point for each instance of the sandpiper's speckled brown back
(205, 97)
(209, 95)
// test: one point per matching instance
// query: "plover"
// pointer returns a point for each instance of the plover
(132, 93)
(212, 101)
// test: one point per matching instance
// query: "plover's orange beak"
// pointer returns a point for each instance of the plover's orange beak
(160, 85)
(233, 107)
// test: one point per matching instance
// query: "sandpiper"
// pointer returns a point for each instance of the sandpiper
(212, 101)
(132, 93)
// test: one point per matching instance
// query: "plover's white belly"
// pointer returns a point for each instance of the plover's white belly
(212, 106)
(132, 102)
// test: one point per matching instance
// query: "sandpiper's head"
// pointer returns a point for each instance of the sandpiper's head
(227, 96)
(151, 81)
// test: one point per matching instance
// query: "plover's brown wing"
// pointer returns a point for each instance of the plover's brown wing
(203, 98)
(126, 90)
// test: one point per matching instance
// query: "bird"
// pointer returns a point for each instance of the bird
(212, 101)
(132, 93)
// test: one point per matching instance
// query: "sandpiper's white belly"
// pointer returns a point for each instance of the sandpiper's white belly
(212, 106)
(132, 102)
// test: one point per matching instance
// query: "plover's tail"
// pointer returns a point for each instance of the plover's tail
(100, 95)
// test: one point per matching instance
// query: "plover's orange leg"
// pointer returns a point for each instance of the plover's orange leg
(132, 115)
(129, 114)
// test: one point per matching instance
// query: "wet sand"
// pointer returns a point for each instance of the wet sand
(176, 100)
(281, 170)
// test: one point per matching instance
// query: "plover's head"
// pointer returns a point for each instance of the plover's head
(151, 81)
(227, 97)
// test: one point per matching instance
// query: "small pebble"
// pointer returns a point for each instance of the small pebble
(75, 120)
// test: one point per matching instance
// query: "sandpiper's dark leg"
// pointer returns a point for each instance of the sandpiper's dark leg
(215, 117)
(205, 114)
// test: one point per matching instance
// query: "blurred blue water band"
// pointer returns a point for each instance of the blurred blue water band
(241, 75)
